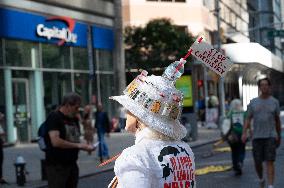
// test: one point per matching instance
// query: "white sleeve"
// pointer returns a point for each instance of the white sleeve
(131, 172)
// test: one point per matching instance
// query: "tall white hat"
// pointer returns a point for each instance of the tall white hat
(156, 101)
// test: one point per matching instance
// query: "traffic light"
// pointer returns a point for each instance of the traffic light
(199, 83)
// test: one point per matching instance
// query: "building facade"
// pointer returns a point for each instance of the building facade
(199, 17)
(243, 35)
(263, 56)
(49, 48)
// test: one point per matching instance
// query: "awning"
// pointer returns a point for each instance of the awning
(252, 53)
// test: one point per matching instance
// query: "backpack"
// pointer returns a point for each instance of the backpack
(42, 133)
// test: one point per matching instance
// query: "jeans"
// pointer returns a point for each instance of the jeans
(238, 154)
(103, 149)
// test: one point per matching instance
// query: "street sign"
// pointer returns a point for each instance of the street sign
(275, 33)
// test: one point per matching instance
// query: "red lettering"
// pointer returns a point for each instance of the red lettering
(175, 185)
(181, 175)
(174, 164)
(187, 184)
(179, 164)
(181, 184)
(192, 175)
(166, 185)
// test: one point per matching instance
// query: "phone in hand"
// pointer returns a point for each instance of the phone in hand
(96, 144)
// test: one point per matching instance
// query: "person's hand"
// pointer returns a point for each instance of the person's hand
(244, 137)
(86, 147)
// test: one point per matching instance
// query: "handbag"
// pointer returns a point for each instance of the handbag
(233, 138)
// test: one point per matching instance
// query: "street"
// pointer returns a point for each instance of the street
(206, 156)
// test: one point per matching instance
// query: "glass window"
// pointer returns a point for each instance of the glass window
(80, 56)
(2, 100)
(55, 56)
(104, 60)
(107, 88)
(19, 53)
(82, 86)
(56, 85)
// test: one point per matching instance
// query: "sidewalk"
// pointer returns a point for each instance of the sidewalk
(87, 163)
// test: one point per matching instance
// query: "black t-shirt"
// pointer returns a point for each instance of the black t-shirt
(69, 130)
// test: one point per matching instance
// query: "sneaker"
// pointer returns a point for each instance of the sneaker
(238, 172)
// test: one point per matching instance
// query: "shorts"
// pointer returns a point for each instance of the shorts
(264, 149)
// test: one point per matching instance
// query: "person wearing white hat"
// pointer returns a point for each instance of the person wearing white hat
(158, 158)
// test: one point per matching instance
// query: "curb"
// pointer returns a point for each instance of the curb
(44, 184)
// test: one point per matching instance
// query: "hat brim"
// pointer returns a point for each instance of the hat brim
(169, 127)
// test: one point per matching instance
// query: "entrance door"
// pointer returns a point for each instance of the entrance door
(21, 109)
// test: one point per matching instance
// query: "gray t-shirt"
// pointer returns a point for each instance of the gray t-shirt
(263, 112)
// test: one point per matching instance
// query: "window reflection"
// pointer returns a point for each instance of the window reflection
(56, 85)
(107, 88)
(19, 53)
(80, 56)
(82, 86)
(105, 60)
(55, 56)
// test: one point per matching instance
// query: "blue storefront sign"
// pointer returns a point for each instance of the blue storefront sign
(57, 30)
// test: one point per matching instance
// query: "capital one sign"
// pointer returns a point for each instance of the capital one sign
(62, 34)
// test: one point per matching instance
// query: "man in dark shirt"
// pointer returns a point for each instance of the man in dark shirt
(64, 144)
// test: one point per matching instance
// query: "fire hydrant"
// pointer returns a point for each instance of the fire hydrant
(20, 170)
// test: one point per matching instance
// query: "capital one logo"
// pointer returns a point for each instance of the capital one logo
(63, 34)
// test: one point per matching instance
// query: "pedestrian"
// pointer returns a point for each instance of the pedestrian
(2, 134)
(266, 134)
(87, 125)
(212, 111)
(103, 126)
(236, 115)
(158, 158)
(201, 110)
(64, 144)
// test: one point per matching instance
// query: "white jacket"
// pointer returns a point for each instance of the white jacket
(155, 164)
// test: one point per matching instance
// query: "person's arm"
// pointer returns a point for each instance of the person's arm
(247, 127)
(278, 129)
(58, 142)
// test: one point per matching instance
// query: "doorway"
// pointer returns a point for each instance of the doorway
(21, 108)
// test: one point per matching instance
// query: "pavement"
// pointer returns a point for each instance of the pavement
(88, 164)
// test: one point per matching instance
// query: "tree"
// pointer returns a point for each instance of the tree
(156, 45)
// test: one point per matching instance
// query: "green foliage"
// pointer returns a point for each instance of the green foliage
(156, 45)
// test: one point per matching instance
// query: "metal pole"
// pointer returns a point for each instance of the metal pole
(221, 80)
(119, 50)
(91, 62)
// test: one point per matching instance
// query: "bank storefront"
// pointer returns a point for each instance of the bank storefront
(43, 57)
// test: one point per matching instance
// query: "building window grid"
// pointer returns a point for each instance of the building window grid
(231, 18)
(234, 12)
